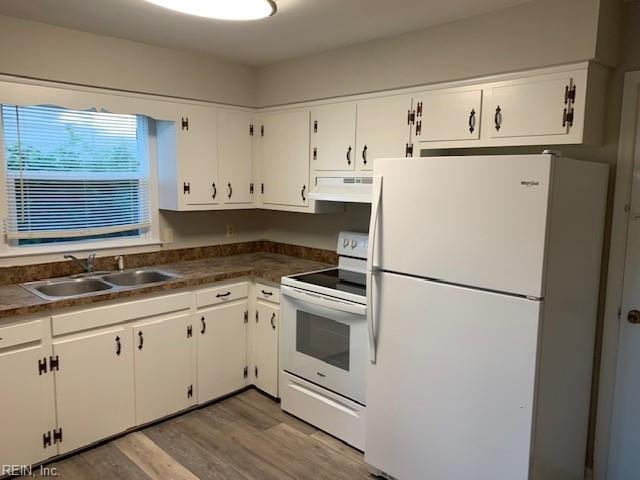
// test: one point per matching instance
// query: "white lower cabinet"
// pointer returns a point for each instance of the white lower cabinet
(222, 350)
(164, 382)
(265, 347)
(27, 416)
(94, 386)
(82, 376)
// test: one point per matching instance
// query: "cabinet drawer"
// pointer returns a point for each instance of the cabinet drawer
(20, 333)
(217, 295)
(123, 312)
(267, 292)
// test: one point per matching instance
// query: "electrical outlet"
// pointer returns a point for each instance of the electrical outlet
(230, 230)
(168, 235)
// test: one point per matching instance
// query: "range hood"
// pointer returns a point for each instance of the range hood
(342, 189)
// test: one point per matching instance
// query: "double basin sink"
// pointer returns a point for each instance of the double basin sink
(70, 287)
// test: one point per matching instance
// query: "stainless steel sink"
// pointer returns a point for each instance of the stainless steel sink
(70, 287)
(137, 277)
(54, 289)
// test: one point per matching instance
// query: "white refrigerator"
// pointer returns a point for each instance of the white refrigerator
(483, 277)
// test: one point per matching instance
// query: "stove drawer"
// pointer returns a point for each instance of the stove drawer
(326, 410)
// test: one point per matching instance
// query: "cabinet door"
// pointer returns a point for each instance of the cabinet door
(163, 367)
(197, 152)
(447, 116)
(333, 135)
(94, 386)
(265, 348)
(234, 153)
(27, 411)
(285, 158)
(382, 130)
(222, 350)
(534, 107)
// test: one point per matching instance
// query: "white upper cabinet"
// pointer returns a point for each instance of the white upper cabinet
(188, 160)
(556, 108)
(534, 107)
(333, 137)
(382, 129)
(447, 115)
(284, 158)
(235, 134)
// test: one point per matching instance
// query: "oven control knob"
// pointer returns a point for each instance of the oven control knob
(354, 243)
(345, 242)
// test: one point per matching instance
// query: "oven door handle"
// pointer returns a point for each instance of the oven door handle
(322, 301)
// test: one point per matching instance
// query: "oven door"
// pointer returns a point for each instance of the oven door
(324, 340)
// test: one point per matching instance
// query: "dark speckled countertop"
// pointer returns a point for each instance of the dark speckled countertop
(261, 266)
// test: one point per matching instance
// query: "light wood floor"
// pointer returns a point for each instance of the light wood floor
(243, 437)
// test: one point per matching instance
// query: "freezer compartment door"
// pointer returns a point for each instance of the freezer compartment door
(451, 394)
(475, 220)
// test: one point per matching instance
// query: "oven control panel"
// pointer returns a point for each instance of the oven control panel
(353, 244)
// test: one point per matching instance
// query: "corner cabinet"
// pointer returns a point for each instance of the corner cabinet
(283, 155)
(265, 339)
(235, 154)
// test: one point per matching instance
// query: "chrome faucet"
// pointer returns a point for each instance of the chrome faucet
(87, 265)
(120, 262)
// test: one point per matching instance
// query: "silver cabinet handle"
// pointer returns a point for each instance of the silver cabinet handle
(373, 230)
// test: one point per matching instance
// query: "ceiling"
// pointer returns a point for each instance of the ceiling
(301, 27)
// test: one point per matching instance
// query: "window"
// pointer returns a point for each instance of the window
(74, 175)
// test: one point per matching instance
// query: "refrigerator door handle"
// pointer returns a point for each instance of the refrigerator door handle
(373, 230)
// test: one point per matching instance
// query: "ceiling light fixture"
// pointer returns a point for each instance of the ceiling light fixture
(221, 9)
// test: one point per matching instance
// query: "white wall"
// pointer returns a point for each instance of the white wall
(47, 52)
(197, 229)
(534, 34)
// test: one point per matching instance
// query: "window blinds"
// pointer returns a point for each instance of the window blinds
(71, 173)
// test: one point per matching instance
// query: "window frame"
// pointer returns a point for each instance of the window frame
(149, 238)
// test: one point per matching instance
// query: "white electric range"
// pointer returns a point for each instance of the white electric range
(324, 343)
